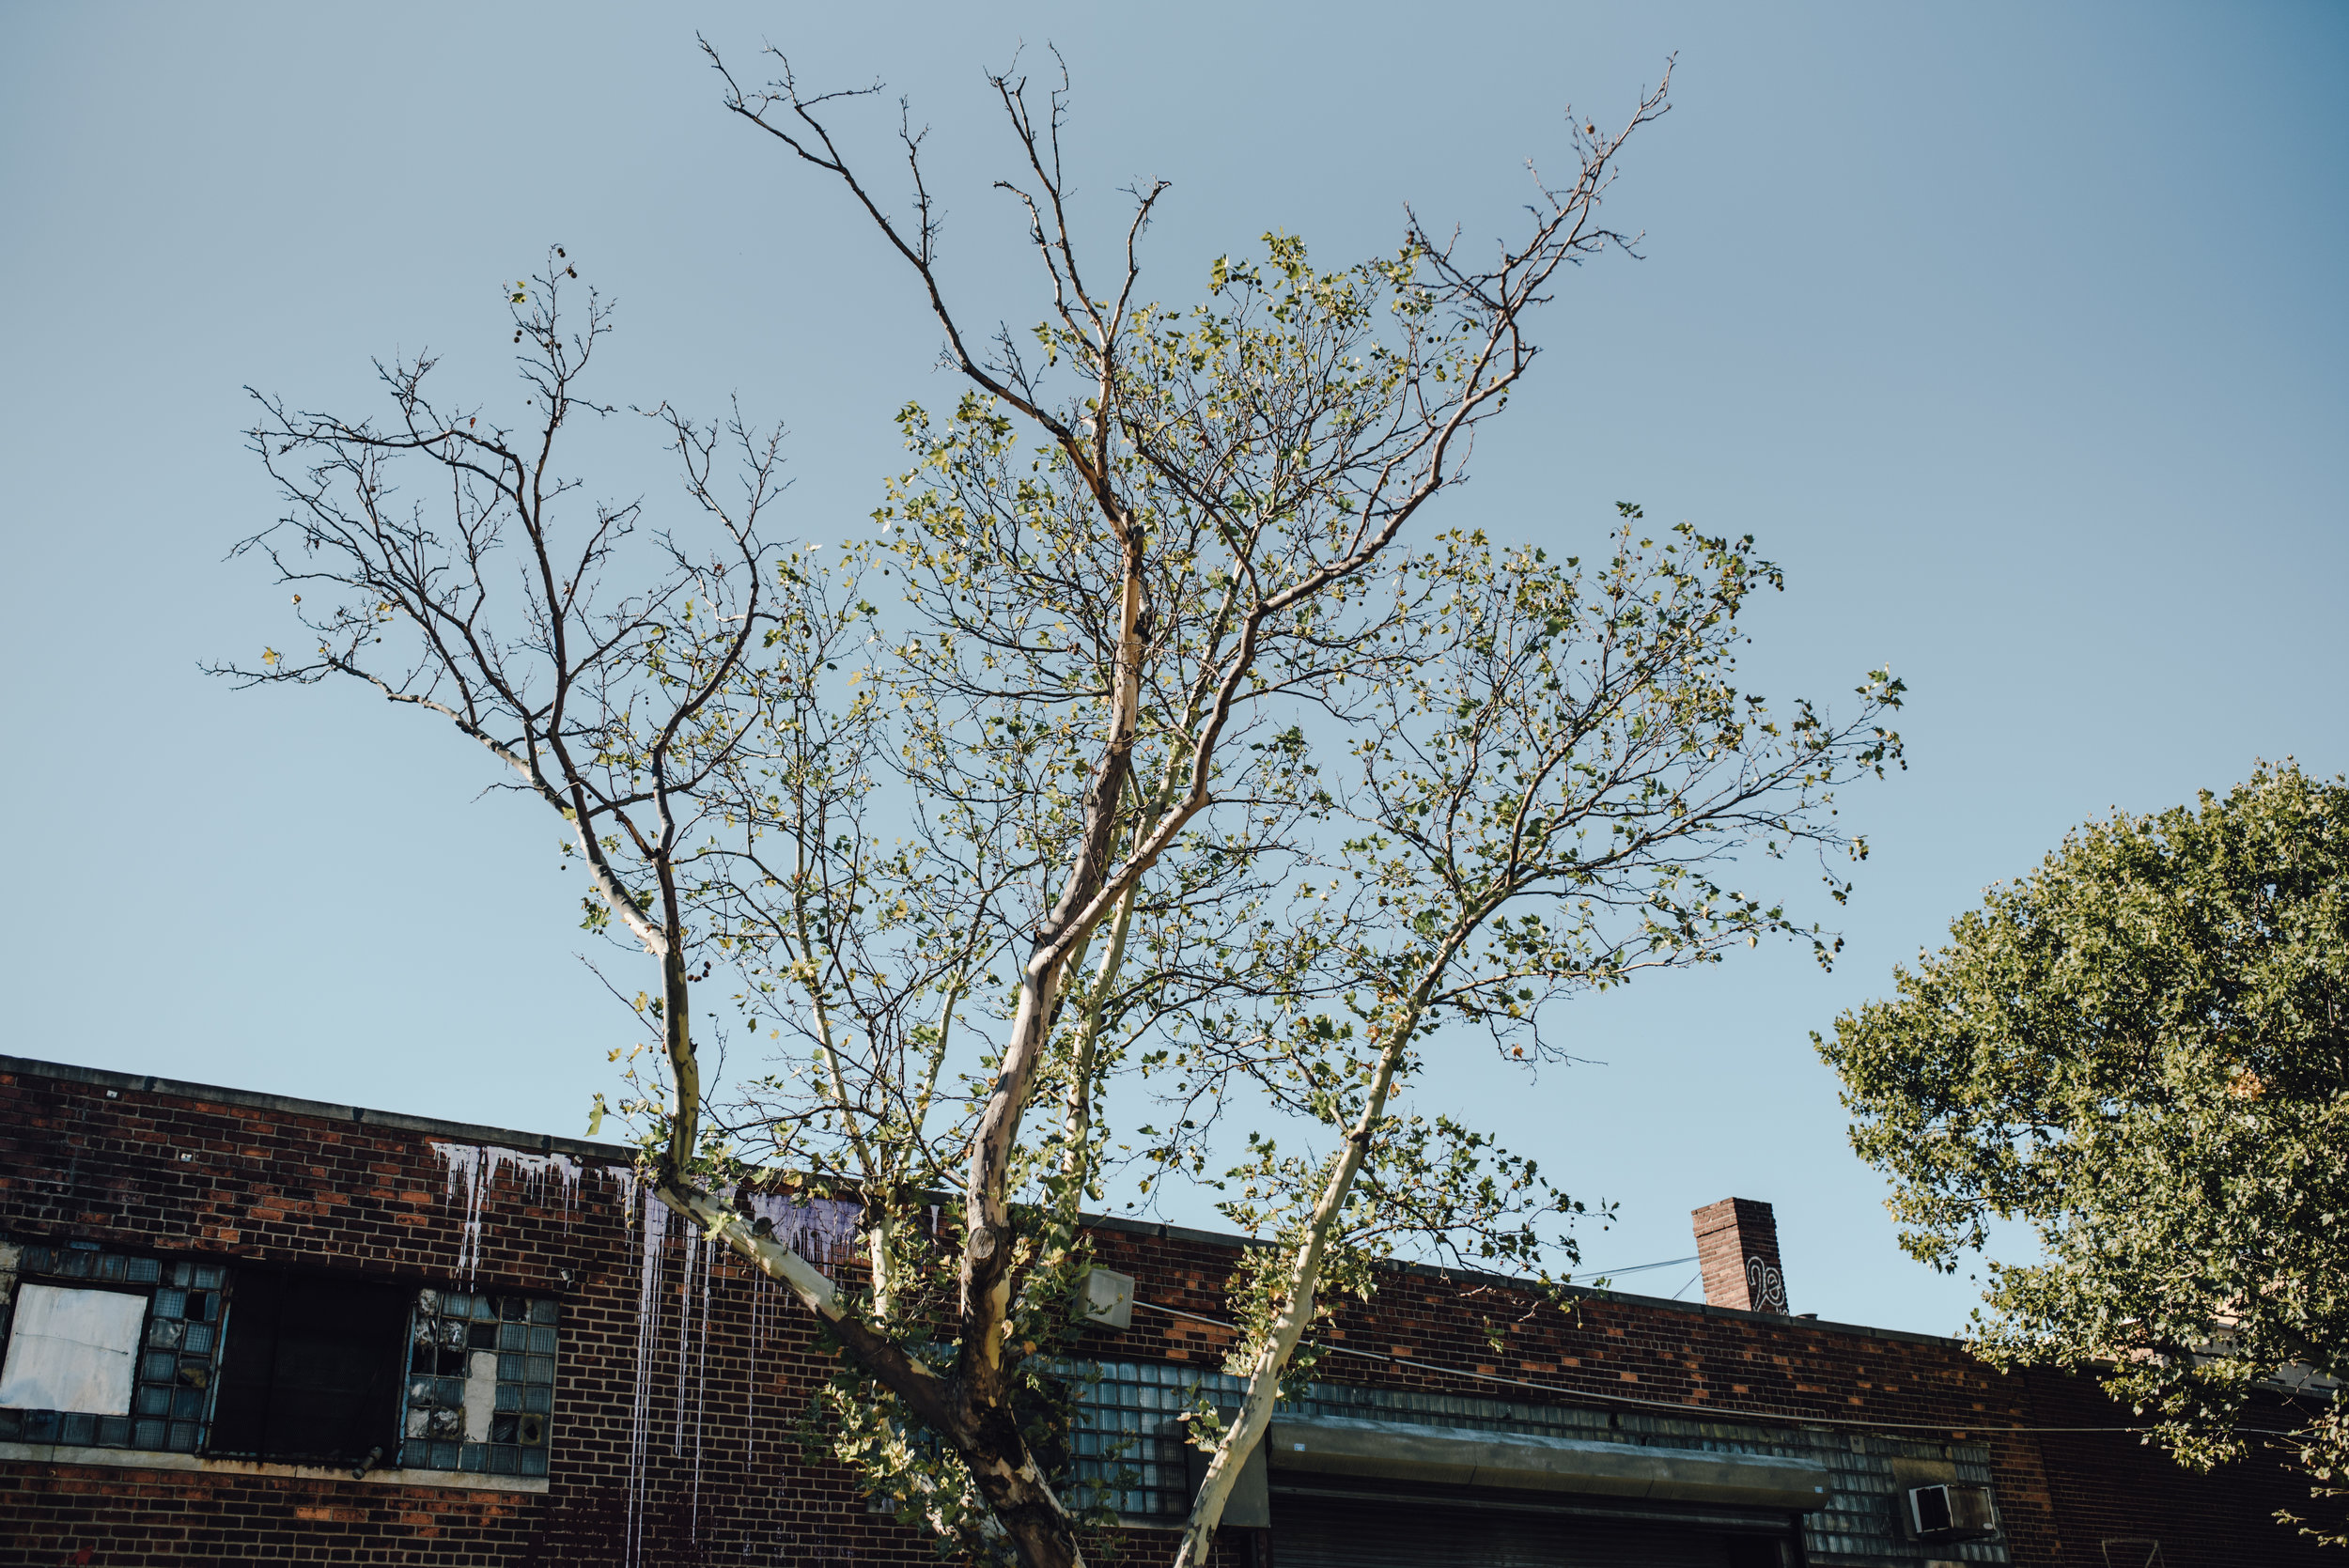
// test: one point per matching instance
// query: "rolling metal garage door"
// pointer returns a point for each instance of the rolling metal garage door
(1347, 1493)
(1320, 1531)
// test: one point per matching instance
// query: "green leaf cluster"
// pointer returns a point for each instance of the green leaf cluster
(2141, 1050)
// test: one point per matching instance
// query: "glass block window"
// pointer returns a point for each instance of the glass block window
(178, 1369)
(480, 1389)
(1127, 1451)
(80, 1260)
(174, 1364)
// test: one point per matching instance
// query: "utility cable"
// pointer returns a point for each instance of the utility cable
(1635, 1269)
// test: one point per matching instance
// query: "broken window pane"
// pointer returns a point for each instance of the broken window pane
(302, 1368)
(479, 1388)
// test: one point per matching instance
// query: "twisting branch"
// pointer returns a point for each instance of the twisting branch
(1576, 751)
(617, 709)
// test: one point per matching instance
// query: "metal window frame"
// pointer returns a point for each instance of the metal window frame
(48, 1261)
(528, 1460)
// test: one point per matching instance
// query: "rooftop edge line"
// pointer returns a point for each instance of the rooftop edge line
(618, 1153)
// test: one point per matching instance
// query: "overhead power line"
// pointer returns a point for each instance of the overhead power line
(1635, 1269)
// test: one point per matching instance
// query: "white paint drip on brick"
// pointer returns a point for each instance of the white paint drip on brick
(821, 1229)
(472, 1174)
(472, 1170)
(762, 1319)
(684, 1333)
(652, 1243)
(701, 1389)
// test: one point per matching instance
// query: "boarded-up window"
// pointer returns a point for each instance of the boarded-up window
(183, 1301)
(72, 1350)
(311, 1369)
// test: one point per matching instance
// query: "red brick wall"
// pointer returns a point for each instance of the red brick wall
(293, 1186)
(2061, 1493)
(2109, 1486)
(266, 1184)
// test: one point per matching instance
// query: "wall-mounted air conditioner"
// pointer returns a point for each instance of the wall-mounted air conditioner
(1948, 1514)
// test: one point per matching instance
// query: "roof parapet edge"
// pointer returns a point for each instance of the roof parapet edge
(1694, 1309)
(473, 1132)
(470, 1132)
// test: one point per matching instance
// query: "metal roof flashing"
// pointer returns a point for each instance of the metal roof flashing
(1471, 1457)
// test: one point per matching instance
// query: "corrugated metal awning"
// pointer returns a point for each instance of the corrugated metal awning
(1468, 1456)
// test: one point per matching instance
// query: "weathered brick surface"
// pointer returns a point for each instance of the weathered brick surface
(1733, 1237)
(723, 1478)
(2106, 1488)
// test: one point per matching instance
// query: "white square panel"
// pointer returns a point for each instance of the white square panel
(72, 1350)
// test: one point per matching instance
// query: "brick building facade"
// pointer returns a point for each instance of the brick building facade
(372, 1338)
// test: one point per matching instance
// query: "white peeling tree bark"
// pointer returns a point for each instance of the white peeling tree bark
(1295, 1313)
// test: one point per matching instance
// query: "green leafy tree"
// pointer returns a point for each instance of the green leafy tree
(2141, 1049)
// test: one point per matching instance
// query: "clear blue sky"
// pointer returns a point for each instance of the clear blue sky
(2017, 333)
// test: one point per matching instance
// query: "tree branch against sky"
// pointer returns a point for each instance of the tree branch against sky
(1154, 757)
(1542, 807)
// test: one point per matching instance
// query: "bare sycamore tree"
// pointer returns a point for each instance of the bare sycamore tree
(1180, 758)
(598, 658)
(1120, 634)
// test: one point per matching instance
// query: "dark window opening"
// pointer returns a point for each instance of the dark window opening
(1335, 1530)
(310, 1372)
(1754, 1552)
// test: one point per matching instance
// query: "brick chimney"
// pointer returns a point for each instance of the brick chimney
(1737, 1250)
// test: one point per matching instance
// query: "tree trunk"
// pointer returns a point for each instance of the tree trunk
(1296, 1309)
(1023, 1501)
